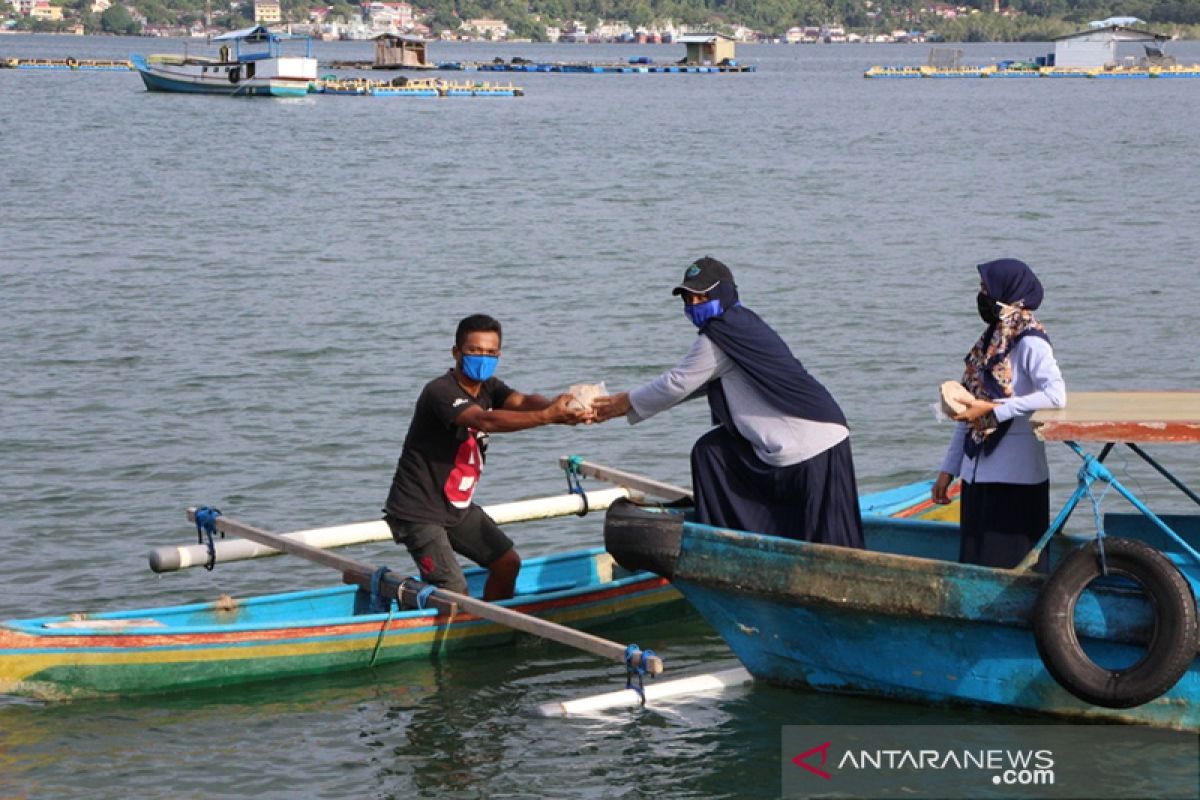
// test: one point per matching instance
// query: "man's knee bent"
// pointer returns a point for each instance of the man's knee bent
(508, 564)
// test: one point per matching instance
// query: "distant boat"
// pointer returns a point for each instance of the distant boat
(243, 70)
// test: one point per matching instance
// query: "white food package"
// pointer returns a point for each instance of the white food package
(583, 394)
(954, 400)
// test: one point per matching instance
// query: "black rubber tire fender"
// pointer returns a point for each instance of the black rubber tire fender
(1172, 646)
(235, 74)
(643, 540)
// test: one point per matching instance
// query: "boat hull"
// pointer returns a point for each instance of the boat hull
(903, 620)
(301, 633)
(192, 79)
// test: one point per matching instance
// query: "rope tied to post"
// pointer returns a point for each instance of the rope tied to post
(1092, 471)
(206, 526)
(574, 484)
(423, 596)
(378, 603)
(637, 671)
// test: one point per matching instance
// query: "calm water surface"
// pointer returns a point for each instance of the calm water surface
(212, 301)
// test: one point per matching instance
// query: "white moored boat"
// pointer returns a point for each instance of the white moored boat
(237, 70)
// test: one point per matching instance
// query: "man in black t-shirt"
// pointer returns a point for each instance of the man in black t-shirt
(429, 508)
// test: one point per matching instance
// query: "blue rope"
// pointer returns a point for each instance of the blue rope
(638, 671)
(379, 640)
(423, 596)
(206, 526)
(378, 605)
(1099, 519)
(574, 486)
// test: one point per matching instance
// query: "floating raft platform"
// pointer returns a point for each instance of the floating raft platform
(634, 66)
(82, 65)
(1098, 73)
(422, 87)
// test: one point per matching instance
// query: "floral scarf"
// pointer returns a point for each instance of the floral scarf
(988, 373)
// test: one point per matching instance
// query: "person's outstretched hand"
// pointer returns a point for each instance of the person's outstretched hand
(609, 406)
(565, 410)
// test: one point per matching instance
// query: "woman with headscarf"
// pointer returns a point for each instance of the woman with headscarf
(1011, 372)
(778, 461)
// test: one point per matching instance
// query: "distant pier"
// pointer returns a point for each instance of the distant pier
(631, 67)
(83, 65)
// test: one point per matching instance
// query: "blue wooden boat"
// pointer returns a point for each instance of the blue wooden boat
(239, 640)
(902, 619)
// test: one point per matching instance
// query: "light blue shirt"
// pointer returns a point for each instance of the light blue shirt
(1020, 457)
(777, 439)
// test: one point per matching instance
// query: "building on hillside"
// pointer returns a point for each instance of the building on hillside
(576, 31)
(100, 6)
(707, 48)
(388, 15)
(494, 29)
(267, 12)
(1097, 47)
(43, 10)
(613, 31)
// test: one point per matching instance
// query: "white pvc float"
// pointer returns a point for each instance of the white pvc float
(170, 559)
(695, 684)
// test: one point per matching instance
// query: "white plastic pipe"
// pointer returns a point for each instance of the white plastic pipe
(695, 684)
(170, 559)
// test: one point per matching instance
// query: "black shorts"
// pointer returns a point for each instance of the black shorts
(433, 547)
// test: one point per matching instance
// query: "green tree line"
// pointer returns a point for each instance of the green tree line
(1037, 20)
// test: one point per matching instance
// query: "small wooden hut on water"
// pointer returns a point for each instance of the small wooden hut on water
(401, 52)
(707, 49)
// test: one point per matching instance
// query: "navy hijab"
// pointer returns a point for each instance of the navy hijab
(1011, 282)
(767, 361)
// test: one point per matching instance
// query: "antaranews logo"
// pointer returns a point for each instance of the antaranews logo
(1020, 767)
(802, 760)
(1001, 762)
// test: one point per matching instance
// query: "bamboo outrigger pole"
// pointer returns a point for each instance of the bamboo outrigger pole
(360, 573)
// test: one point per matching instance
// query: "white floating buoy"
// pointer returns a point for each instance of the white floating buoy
(694, 684)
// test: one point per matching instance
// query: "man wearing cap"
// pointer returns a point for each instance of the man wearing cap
(779, 460)
(429, 508)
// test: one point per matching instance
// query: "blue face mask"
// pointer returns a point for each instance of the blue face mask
(479, 368)
(703, 312)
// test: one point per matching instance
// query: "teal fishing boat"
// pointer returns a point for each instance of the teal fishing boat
(1108, 633)
(339, 628)
(229, 641)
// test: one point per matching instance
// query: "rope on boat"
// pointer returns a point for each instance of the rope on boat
(377, 604)
(636, 671)
(206, 526)
(574, 485)
(423, 596)
(1088, 475)
(382, 632)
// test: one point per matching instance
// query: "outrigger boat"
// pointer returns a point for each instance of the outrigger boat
(378, 620)
(240, 71)
(1109, 633)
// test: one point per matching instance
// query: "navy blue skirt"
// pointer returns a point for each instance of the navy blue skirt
(1001, 522)
(815, 500)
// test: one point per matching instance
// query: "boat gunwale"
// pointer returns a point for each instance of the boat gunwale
(34, 626)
